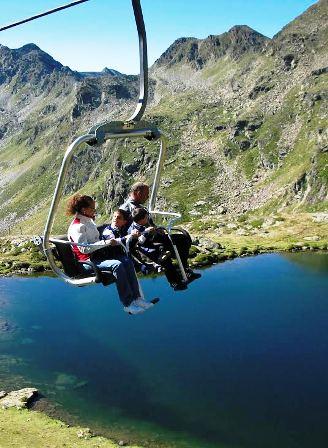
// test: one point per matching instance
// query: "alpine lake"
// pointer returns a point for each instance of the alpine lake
(240, 359)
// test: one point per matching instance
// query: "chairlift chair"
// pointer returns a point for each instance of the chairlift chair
(133, 128)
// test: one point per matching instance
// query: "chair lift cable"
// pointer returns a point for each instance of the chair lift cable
(51, 11)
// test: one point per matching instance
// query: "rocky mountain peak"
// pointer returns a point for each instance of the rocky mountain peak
(244, 31)
(111, 72)
(239, 40)
(27, 48)
(27, 64)
(176, 51)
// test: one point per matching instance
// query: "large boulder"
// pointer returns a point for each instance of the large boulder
(17, 398)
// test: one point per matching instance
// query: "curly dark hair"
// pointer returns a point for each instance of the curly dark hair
(77, 202)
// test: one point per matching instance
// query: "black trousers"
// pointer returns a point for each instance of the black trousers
(182, 243)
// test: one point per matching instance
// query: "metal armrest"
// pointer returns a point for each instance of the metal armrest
(174, 217)
(71, 243)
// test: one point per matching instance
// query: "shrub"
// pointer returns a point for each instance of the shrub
(242, 218)
(193, 251)
(205, 259)
(15, 251)
(256, 223)
(20, 264)
(38, 267)
(37, 256)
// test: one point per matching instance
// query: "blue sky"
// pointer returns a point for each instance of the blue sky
(101, 33)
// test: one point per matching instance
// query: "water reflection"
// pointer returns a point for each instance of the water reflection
(315, 262)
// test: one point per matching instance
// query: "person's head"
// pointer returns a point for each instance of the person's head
(140, 216)
(82, 204)
(120, 218)
(139, 192)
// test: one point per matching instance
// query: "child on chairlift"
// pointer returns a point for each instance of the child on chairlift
(152, 241)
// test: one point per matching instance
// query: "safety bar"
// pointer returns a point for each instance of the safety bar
(175, 217)
(71, 243)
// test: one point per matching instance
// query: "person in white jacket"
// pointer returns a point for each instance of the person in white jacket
(83, 230)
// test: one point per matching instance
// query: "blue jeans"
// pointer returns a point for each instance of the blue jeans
(126, 279)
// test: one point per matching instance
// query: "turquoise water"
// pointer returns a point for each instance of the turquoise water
(238, 360)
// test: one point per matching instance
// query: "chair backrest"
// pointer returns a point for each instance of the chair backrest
(66, 256)
(72, 268)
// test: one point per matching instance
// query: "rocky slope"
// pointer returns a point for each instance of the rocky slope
(246, 116)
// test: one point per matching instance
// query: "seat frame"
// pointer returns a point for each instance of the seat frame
(73, 268)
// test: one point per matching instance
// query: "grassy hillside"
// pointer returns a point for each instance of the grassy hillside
(20, 428)
(247, 127)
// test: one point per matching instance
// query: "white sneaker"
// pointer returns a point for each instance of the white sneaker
(133, 308)
(140, 302)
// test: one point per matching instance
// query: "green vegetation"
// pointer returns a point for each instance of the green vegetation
(178, 106)
(20, 428)
(248, 162)
(204, 142)
(22, 257)
(190, 184)
(276, 233)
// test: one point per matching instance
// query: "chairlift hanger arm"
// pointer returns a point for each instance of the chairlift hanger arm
(143, 58)
(120, 129)
(46, 13)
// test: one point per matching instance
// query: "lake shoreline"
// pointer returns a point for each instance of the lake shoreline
(40, 428)
(209, 254)
(212, 241)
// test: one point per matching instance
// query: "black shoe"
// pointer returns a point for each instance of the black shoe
(179, 286)
(155, 300)
(191, 276)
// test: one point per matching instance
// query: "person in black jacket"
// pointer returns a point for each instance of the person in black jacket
(138, 195)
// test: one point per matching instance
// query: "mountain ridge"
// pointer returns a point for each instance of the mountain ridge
(246, 116)
(197, 52)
